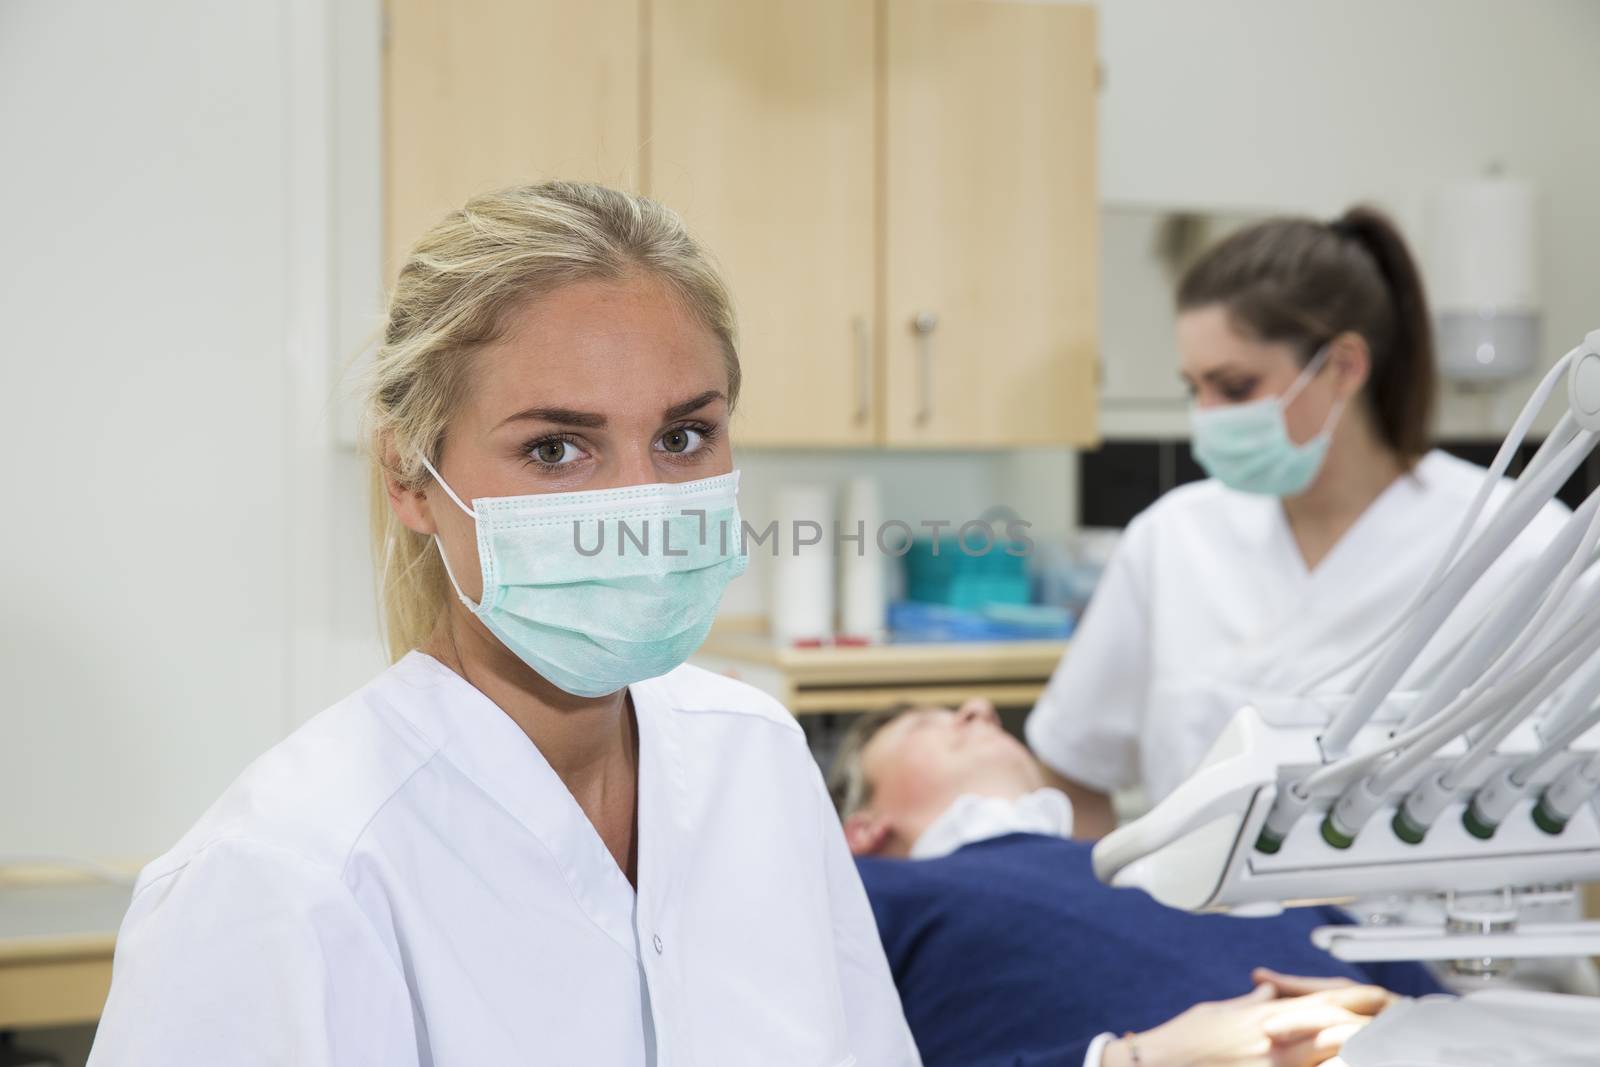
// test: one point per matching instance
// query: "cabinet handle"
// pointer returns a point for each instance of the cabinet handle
(923, 326)
(863, 369)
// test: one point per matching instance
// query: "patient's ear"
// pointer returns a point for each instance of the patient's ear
(866, 832)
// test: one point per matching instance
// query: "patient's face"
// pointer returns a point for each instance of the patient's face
(926, 758)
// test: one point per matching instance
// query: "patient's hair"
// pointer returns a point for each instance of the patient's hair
(847, 782)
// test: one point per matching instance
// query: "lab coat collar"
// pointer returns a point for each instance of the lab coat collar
(665, 825)
(486, 745)
(1261, 521)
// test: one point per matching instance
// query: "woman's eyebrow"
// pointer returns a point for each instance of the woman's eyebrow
(678, 411)
(561, 416)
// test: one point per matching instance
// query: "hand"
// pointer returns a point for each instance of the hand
(1313, 1027)
(1259, 1029)
(1296, 985)
(1372, 1001)
(1293, 985)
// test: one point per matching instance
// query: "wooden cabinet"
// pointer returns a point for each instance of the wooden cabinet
(900, 192)
(762, 135)
(481, 94)
(990, 223)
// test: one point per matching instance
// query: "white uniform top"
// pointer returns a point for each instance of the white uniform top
(1207, 603)
(405, 881)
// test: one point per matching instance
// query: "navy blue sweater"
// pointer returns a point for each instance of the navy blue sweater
(1010, 952)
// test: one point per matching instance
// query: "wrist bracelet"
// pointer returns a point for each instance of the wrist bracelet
(1133, 1049)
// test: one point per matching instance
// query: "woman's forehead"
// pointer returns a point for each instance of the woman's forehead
(600, 346)
(1208, 345)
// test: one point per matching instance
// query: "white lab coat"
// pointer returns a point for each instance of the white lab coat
(1207, 604)
(405, 881)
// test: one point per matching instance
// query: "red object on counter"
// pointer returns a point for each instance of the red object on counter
(838, 641)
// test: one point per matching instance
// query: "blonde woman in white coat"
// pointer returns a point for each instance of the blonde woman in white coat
(537, 837)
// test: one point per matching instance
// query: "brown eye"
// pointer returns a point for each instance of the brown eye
(551, 452)
(684, 441)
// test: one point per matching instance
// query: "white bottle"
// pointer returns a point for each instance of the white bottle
(863, 599)
(803, 574)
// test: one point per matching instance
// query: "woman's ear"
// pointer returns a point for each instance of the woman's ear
(409, 505)
(1351, 361)
(866, 832)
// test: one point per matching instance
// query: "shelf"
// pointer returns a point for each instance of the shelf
(869, 678)
(56, 941)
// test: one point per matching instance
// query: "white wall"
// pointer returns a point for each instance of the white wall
(1307, 105)
(175, 585)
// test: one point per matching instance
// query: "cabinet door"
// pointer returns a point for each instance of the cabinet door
(761, 137)
(990, 223)
(482, 94)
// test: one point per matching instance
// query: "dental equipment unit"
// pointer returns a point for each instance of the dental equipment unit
(1479, 786)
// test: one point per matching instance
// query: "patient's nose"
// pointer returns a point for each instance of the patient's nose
(978, 709)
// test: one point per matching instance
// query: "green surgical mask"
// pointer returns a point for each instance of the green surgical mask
(598, 590)
(1247, 446)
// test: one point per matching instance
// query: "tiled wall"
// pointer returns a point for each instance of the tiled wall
(1122, 478)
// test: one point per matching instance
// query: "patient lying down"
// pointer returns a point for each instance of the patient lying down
(1007, 950)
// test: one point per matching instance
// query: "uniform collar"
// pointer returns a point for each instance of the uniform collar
(487, 747)
(975, 818)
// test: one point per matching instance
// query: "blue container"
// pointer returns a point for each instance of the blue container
(910, 622)
(954, 578)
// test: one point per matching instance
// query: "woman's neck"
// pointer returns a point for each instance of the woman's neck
(1358, 468)
(591, 743)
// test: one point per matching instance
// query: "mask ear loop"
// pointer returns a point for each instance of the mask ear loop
(438, 544)
(446, 487)
(1318, 361)
(1312, 368)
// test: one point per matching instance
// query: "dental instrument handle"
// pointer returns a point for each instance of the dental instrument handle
(1566, 795)
(1556, 745)
(1546, 673)
(1505, 526)
(1566, 426)
(1490, 641)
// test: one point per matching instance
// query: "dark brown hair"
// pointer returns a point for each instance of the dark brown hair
(1304, 282)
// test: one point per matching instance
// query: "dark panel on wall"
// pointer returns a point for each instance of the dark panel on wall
(1583, 481)
(1122, 478)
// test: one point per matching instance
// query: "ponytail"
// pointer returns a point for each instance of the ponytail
(1304, 282)
(1405, 384)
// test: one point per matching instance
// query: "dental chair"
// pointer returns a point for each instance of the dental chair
(1478, 789)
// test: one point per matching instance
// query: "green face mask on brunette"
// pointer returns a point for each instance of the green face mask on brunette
(1247, 446)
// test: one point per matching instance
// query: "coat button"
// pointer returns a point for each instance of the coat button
(657, 942)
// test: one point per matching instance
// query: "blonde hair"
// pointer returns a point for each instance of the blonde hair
(848, 783)
(453, 296)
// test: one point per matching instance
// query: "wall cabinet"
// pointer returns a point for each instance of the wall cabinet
(900, 192)
(762, 135)
(990, 223)
(482, 94)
